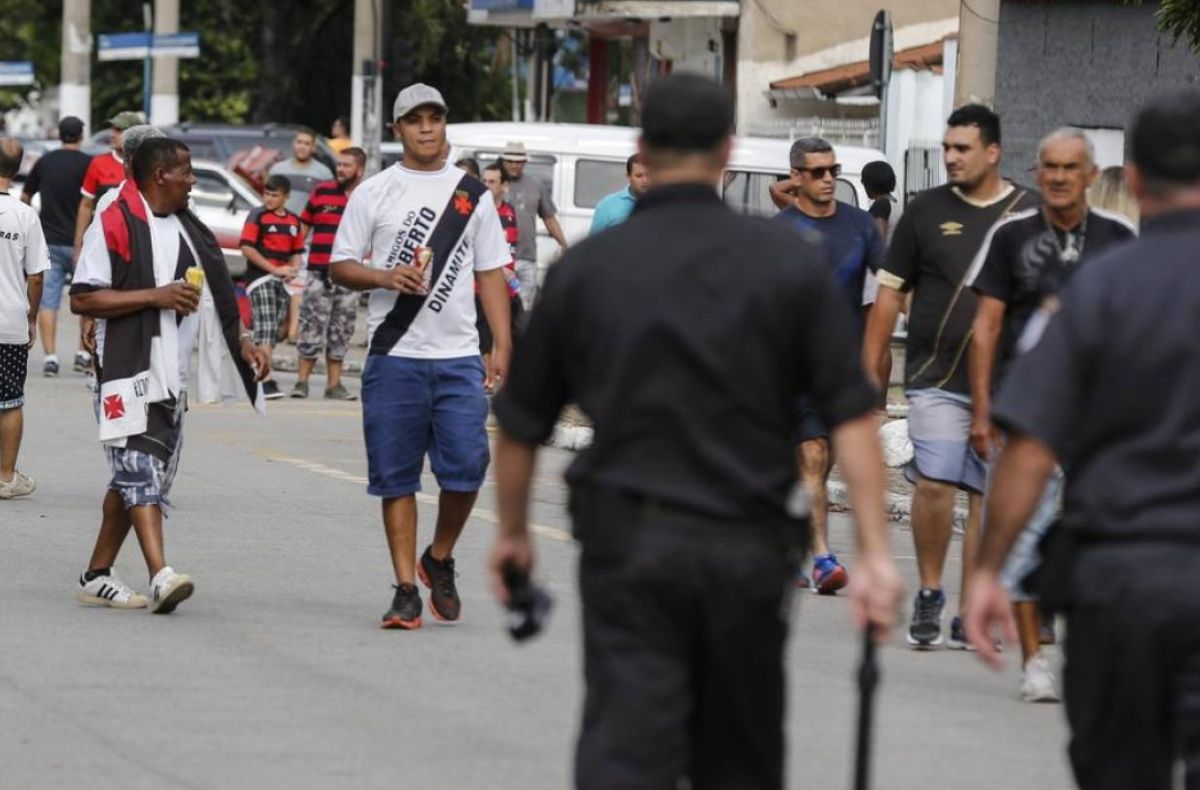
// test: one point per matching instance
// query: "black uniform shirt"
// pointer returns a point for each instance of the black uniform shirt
(686, 334)
(932, 248)
(1024, 260)
(1111, 383)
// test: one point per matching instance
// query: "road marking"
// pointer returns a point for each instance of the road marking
(340, 474)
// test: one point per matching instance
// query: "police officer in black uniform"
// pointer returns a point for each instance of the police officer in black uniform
(687, 334)
(1110, 389)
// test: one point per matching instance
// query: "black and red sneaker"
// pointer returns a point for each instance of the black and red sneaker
(406, 608)
(438, 576)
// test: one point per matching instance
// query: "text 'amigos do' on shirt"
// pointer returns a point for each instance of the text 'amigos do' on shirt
(935, 241)
(276, 237)
(392, 216)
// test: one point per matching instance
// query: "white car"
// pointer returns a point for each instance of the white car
(582, 163)
(223, 201)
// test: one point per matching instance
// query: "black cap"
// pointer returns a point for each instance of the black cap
(70, 129)
(878, 178)
(686, 112)
(1165, 143)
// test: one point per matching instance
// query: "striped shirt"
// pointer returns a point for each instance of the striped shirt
(323, 214)
(275, 236)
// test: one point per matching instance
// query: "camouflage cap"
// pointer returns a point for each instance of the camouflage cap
(125, 119)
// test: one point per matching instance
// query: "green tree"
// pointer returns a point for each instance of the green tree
(1181, 19)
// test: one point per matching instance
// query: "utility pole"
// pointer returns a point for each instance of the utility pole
(978, 39)
(366, 87)
(164, 99)
(75, 89)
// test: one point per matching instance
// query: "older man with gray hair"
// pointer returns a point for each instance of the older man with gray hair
(1024, 261)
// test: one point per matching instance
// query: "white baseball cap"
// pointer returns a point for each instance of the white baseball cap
(417, 95)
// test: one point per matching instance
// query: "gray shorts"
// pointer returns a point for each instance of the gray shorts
(327, 318)
(939, 425)
(1025, 557)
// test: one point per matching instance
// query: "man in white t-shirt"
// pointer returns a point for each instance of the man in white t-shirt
(431, 232)
(141, 272)
(23, 259)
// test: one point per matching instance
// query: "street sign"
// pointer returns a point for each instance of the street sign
(16, 72)
(178, 45)
(138, 46)
(881, 52)
(123, 46)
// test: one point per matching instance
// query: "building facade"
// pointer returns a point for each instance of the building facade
(1084, 63)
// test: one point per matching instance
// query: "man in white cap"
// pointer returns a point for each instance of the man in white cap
(530, 199)
(432, 231)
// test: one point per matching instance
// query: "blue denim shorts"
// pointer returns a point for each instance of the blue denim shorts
(416, 406)
(56, 276)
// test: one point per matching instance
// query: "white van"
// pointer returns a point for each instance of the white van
(582, 163)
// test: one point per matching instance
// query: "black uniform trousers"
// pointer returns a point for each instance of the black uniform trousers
(685, 624)
(1132, 677)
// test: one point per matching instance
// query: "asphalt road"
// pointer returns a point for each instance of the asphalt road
(276, 675)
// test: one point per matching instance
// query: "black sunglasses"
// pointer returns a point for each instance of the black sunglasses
(819, 172)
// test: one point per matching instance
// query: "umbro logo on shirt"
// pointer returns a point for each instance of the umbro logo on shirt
(951, 228)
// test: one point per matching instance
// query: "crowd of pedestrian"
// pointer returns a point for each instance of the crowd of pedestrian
(720, 402)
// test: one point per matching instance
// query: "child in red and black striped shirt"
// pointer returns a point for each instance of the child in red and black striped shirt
(271, 243)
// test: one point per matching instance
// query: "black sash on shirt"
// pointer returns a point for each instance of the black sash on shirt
(442, 242)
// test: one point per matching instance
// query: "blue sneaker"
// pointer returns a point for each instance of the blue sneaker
(925, 630)
(828, 574)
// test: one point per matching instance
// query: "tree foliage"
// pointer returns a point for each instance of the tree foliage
(274, 61)
(1181, 19)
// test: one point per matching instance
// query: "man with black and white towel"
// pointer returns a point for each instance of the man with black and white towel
(141, 273)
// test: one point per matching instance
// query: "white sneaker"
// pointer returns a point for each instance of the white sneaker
(20, 485)
(109, 591)
(1038, 683)
(168, 589)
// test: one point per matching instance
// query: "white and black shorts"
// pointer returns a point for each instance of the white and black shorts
(268, 306)
(14, 363)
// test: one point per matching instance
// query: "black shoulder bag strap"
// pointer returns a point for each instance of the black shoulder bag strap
(442, 242)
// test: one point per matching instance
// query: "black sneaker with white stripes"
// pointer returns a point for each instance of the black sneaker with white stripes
(108, 590)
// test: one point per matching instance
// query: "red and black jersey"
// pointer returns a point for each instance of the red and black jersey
(323, 214)
(275, 236)
(508, 221)
(103, 173)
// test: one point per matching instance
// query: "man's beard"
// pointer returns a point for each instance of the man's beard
(347, 182)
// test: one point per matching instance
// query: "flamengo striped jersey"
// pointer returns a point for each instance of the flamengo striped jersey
(276, 237)
(323, 214)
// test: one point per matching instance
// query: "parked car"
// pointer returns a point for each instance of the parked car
(223, 201)
(221, 141)
(581, 163)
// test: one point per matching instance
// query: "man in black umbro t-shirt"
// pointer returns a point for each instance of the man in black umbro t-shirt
(932, 248)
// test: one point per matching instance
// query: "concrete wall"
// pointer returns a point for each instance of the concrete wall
(1085, 63)
(827, 34)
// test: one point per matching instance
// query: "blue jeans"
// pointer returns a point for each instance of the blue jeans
(56, 275)
(416, 406)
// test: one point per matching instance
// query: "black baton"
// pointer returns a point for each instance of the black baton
(868, 679)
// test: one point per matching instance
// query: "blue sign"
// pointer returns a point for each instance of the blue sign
(179, 45)
(137, 46)
(123, 46)
(16, 72)
(501, 5)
